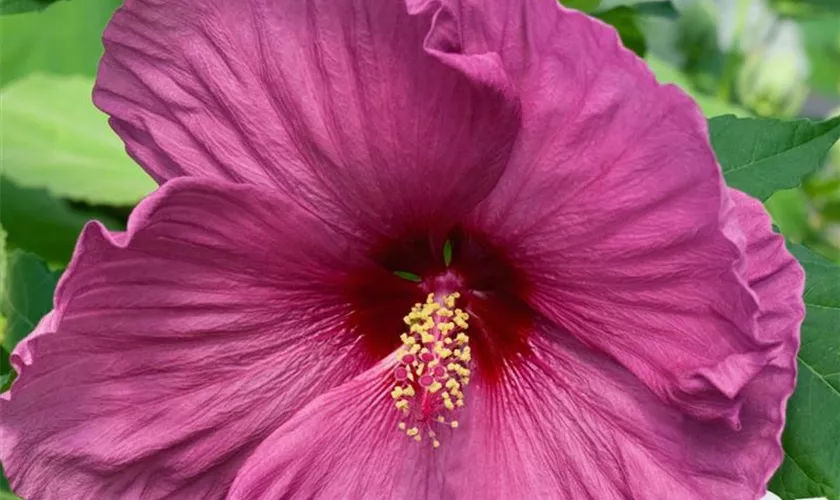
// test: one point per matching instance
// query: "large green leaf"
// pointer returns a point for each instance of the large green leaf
(625, 21)
(626, 17)
(28, 295)
(789, 209)
(710, 105)
(64, 38)
(761, 156)
(37, 222)
(811, 467)
(54, 137)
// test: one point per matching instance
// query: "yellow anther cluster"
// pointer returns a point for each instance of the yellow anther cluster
(433, 366)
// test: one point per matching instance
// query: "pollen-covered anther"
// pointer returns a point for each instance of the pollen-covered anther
(433, 368)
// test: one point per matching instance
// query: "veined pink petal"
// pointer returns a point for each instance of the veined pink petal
(343, 445)
(614, 208)
(176, 347)
(337, 103)
(573, 424)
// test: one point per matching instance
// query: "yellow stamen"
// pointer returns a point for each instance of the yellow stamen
(427, 387)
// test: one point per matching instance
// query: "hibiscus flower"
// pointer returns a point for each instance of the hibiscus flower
(421, 249)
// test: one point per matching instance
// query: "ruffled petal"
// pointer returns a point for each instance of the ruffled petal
(335, 102)
(778, 281)
(614, 208)
(175, 347)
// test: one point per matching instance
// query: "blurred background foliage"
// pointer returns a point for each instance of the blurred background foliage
(62, 165)
(762, 58)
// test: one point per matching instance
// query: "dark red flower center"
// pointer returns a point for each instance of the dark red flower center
(492, 291)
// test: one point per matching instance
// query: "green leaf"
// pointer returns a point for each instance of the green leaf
(63, 39)
(761, 156)
(711, 106)
(7, 375)
(37, 222)
(623, 19)
(811, 466)
(5, 490)
(789, 209)
(657, 9)
(806, 7)
(20, 6)
(28, 295)
(5, 367)
(582, 5)
(54, 137)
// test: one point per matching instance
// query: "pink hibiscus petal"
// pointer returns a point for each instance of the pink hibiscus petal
(343, 445)
(614, 209)
(335, 102)
(176, 347)
(574, 424)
